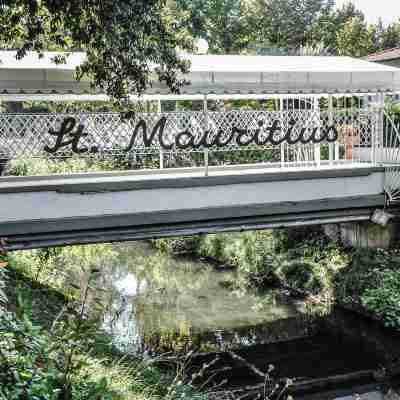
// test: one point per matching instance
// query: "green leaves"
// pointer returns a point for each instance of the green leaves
(383, 300)
(121, 39)
(227, 25)
(285, 23)
(356, 38)
(372, 282)
(3, 271)
(26, 370)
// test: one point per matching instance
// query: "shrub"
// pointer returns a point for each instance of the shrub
(214, 246)
(3, 297)
(47, 364)
(372, 282)
(28, 366)
(363, 272)
(35, 365)
(180, 245)
(384, 299)
(254, 255)
(46, 166)
(304, 276)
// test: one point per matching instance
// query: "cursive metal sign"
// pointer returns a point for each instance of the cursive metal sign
(71, 135)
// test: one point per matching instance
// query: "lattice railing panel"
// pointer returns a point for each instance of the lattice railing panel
(27, 135)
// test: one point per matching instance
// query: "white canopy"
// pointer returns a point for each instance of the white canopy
(210, 74)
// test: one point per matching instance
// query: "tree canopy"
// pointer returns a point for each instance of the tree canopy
(225, 24)
(355, 38)
(285, 23)
(286, 27)
(122, 38)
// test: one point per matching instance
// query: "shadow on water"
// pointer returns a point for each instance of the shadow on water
(157, 304)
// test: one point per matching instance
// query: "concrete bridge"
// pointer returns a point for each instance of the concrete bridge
(104, 207)
(333, 152)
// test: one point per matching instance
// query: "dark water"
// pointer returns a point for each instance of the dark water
(158, 304)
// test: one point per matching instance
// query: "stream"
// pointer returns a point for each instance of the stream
(159, 304)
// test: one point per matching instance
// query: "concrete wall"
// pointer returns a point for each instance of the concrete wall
(364, 234)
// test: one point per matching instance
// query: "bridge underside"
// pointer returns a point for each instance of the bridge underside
(106, 207)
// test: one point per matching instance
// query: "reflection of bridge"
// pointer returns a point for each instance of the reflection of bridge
(111, 207)
(332, 150)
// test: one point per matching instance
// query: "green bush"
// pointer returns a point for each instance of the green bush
(34, 362)
(28, 368)
(372, 282)
(3, 297)
(47, 363)
(180, 245)
(384, 300)
(46, 166)
(363, 271)
(303, 276)
(254, 255)
(214, 246)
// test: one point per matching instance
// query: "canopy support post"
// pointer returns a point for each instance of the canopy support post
(330, 116)
(280, 100)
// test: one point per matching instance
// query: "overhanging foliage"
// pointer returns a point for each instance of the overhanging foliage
(123, 39)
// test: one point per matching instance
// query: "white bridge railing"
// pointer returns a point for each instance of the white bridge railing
(390, 158)
(285, 138)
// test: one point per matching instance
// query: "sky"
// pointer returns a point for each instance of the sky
(388, 10)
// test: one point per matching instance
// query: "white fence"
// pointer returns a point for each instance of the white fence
(290, 137)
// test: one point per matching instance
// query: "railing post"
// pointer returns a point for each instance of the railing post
(337, 143)
(205, 109)
(365, 107)
(377, 134)
(317, 147)
(159, 110)
(381, 128)
(281, 119)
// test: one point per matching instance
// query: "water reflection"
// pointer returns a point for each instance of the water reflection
(158, 303)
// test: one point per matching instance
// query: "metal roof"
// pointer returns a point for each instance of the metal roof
(209, 74)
